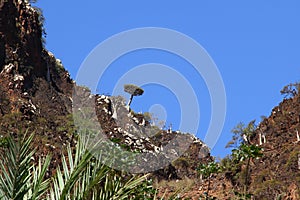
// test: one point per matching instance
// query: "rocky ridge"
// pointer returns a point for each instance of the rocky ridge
(37, 94)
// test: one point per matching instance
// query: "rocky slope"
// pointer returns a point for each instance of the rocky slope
(278, 172)
(276, 175)
(36, 94)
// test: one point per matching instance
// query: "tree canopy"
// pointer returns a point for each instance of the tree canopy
(133, 89)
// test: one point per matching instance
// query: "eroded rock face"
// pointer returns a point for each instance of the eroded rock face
(133, 132)
(37, 93)
(22, 56)
(21, 36)
(35, 90)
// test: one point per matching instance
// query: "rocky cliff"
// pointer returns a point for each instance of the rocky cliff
(278, 171)
(36, 94)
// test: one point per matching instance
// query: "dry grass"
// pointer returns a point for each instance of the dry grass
(174, 188)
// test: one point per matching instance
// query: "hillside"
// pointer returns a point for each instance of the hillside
(278, 172)
(275, 175)
(37, 95)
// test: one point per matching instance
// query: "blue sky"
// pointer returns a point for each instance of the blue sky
(255, 45)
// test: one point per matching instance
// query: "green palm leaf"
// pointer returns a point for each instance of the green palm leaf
(15, 168)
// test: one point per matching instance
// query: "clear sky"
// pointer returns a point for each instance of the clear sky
(255, 45)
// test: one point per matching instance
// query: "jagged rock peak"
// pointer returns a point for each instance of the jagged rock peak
(21, 47)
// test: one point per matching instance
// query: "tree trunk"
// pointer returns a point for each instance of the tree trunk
(260, 139)
(130, 100)
(264, 138)
(115, 114)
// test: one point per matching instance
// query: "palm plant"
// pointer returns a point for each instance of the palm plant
(19, 178)
(85, 177)
(82, 175)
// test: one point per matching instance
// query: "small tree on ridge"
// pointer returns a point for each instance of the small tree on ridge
(133, 90)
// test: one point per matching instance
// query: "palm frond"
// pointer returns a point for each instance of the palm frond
(15, 168)
(67, 180)
(123, 191)
(40, 185)
(83, 176)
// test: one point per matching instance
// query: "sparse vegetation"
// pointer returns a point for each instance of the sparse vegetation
(247, 153)
(290, 90)
(174, 189)
(243, 151)
(181, 163)
(241, 134)
(207, 170)
(54, 163)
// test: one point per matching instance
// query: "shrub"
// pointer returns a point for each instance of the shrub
(290, 90)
